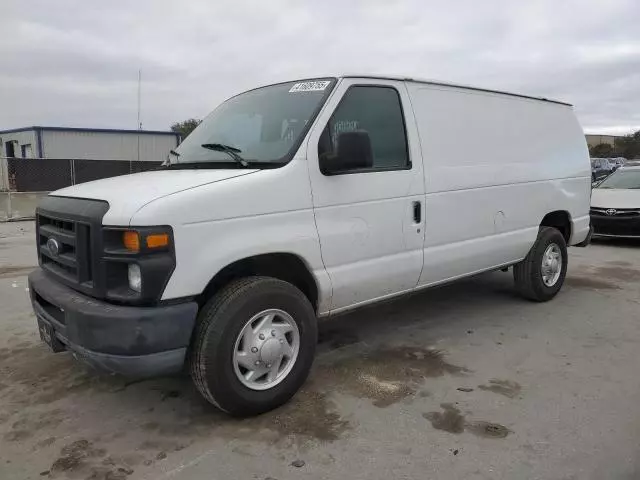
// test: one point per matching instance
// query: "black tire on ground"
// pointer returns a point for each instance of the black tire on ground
(528, 273)
(220, 322)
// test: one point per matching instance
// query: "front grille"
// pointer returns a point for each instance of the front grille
(65, 248)
(609, 221)
(616, 228)
(73, 227)
(615, 212)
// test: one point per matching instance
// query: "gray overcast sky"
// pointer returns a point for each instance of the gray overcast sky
(75, 63)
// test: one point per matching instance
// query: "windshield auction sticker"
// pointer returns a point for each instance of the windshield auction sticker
(310, 86)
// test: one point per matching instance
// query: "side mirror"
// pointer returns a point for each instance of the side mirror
(354, 152)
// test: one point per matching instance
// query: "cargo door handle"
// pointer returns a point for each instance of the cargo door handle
(417, 212)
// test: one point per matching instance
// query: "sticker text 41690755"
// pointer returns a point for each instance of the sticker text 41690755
(317, 86)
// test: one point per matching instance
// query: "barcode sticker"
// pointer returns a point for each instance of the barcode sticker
(310, 86)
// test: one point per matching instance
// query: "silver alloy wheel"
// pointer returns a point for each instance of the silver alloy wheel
(266, 349)
(551, 265)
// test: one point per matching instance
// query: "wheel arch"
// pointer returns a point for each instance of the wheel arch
(560, 220)
(285, 266)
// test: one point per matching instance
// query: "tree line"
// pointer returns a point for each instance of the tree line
(627, 146)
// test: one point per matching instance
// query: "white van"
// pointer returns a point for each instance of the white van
(302, 200)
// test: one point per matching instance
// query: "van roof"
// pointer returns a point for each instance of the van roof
(448, 84)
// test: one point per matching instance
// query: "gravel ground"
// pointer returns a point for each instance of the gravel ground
(466, 381)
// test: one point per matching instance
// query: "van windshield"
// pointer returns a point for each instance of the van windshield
(260, 128)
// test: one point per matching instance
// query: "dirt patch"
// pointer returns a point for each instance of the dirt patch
(507, 388)
(15, 271)
(451, 420)
(605, 278)
(27, 427)
(75, 456)
(620, 273)
(386, 375)
(81, 459)
(46, 442)
(590, 283)
(33, 375)
(619, 263)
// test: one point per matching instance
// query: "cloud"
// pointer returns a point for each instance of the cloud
(71, 62)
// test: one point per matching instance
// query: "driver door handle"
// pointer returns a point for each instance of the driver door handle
(417, 212)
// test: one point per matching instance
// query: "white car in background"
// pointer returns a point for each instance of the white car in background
(615, 204)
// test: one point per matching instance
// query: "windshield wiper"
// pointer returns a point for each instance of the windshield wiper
(231, 151)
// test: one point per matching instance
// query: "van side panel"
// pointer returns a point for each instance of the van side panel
(495, 165)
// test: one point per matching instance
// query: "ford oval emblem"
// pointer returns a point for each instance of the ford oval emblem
(611, 211)
(53, 246)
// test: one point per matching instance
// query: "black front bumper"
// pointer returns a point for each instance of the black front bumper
(133, 341)
(616, 225)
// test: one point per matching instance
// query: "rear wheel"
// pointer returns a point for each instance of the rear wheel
(541, 274)
(254, 345)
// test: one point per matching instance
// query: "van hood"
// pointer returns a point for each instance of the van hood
(615, 198)
(127, 194)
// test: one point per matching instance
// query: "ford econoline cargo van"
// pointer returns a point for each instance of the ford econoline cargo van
(301, 200)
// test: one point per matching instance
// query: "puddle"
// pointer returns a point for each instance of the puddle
(451, 420)
(337, 337)
(507, 388)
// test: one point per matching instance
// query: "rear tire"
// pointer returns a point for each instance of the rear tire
(221, 332)
(537, 277)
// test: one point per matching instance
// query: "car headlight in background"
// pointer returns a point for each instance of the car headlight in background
(135, 277)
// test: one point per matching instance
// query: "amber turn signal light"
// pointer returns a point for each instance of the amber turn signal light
(131, 241)
(157, 240)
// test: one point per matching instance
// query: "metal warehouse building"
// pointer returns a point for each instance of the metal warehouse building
(87, 143)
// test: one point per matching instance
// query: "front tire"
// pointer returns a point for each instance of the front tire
(253, 346)
(539, 277)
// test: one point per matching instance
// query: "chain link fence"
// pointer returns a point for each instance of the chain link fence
(24, 180)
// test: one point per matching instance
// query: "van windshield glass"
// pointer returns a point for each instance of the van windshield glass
(258, 128)
(622, 179)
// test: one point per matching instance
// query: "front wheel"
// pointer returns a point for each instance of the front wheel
(541, 274)
(254, 345)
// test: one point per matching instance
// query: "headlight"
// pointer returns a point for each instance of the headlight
(135, 277)
(133, 256)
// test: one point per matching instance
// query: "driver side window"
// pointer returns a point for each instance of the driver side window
(367, 124)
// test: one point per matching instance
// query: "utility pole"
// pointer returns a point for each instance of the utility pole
(139, 123)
